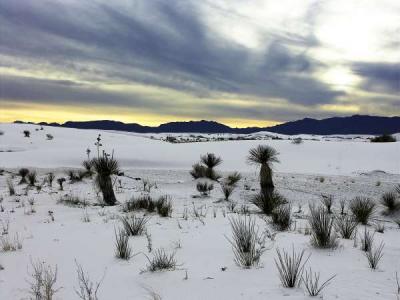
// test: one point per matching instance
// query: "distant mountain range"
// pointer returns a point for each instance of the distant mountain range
(356, 124)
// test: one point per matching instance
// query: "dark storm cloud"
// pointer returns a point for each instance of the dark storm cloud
(171, 48)
(379, 77)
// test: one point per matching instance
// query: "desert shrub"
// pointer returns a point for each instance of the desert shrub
(384, 138)
(32, 178)
(72, 200)
(366, 240)
(379, 227)
(49, 137)
(27, 133)
(60, 182)
(245, 242)
(23, 173)
(282, 217)
(311, 282)
(87, 289)
(227, 190)
(322, 231)
(204, 188)
(87, 164)
(327, 201)
(10, 186)
(290, 267)
(267, 202)
(390, 201)
(374, 255)
(134, 225)
(342, 204)
(198, 171)
(105, 167)
(161, 261)
(233, 178)
(346, 226)
(1, 132)
(164, 206)
(210, 161)
(297, 141)
(43, 281)
(122, 248)
(50, 179)
(362, 208)
(8, 244)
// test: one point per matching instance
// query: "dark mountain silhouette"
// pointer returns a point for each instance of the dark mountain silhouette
(356, 124)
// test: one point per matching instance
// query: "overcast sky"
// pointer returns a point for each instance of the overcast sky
(239, 62)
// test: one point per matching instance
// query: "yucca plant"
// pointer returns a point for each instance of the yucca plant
(233, 178)
(210, 161)
(363, 209)
(105, 167)
(87, 164)
(267, 202)
(198, 171)
(290, 267)
(264, 156)
(346, 226)
(374, 255)
(204, 188)
(161, 261)
(32, 176)
(311, 282)
(282, 217)
(367, 240)
(327, 201)
(227, 190)
(23, 173)
(134, 225)
(390, 201)
(322, 231)
(122, 248)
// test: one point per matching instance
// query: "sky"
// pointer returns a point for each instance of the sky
(239, 62)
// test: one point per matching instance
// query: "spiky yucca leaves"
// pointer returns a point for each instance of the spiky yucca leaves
(227, 190)
(264, 156)
(106, 166)
(311, 282)
(267, 202)
(204, 188)
(23, 173)
(88, 164)
(363, 209)
(282, 217)
(233, 178)
(327, 201)
(390, 201)
(322, 231)
(346, 225)
(198, 171)
(122, 248)
(32, 176)
(60, 182)
(50, 179)
(290, 267)
(374, 255)
(245, 242)
(367, 240)
(164, 206)
(161, 261)
(134, 225)
(210, 161)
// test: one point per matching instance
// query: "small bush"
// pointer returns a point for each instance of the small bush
(122, 248)
(164, 206)
(10, 186)
(311, 282)
(198, 171)
(290, 267)
(282, 217)
(385, 138)
(161, 261)
(267, 202)
(227, 190)
(346, 226)
(390, 201)
(327, 201)
(233, 178)
(49, 137)
(60, 182)
(10, 245)
(32, 178)
(87, 289)
(297, 141)
(50, 179)
(322, 232)
(374, 256)
(379, 227)
(142, 202)
(245, 242)
(367, 240)
(27, 133)
(342, 203)
(88, 165)
(23, 173)
(363, 209)
(43, 281)
(204, 188)
(72, 200)
(134, 225)
(210, 161)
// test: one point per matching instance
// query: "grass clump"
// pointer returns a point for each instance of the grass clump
(327, 201)
(198, 171)
(32, 178)
(374, 255)
(346, 226)
(161, 261)
(312, 284)
(290, 267)
(10, 186)
(363, 209)
(245, 242)
(72, 200)
(122, 248)
(281, 217)
(43, 281)
(204, 188)
(134, 225)
(390, 201)
(367, 240)
(267, 202)
(164, 206)
(322, 229)
(23, 173)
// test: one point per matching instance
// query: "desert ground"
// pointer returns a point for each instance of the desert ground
(43, 230)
